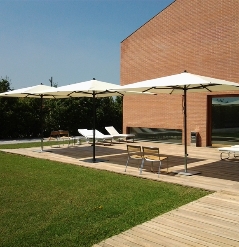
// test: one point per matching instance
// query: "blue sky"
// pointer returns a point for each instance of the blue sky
(71, 41)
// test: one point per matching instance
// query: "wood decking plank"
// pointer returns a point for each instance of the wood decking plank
(159, 237)
(114, 243)
(214, 214)
(187, 228)
(196, 223)
(136, 241)
(142, 239)
(120, 240)
(214, 219)
(185, 231)
(176, 236)
(102, 244)
(227, 195)
(219, 203)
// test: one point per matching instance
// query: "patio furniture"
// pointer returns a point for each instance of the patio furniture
(64, 135)
(112, 131)
(152, 155)
(54, 136)
(77, 140)
(99, 137)
(134, 152)
(228, 150)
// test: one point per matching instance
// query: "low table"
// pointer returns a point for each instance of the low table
(77, 140)
(228, 150)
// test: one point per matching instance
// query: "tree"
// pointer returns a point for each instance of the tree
(77, 113)
(5, 85)
(6, 109)
(19, 117)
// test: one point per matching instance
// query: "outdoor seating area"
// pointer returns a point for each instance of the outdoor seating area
(134, 152)
(206, 160)
(148, 154)
(60, 136)
(99, 137)
(120, 137)
(54, 136)
(152, 155)
(157, 160)
(228, 151)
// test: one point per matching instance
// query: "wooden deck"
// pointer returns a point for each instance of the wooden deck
(210, 221)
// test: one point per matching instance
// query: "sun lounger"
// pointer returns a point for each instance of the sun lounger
(229, 150)
(99, 137)
(116, 135)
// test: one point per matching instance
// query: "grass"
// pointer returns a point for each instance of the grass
(47, 203)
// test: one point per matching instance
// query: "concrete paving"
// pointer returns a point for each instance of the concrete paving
(15, 141)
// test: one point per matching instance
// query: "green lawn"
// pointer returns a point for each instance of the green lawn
(46, 203)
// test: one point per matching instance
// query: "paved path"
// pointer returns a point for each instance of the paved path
(5, 141)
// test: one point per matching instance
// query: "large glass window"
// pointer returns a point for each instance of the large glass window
(157, 134)
(225, 121)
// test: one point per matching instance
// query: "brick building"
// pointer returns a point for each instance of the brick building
(199, 36)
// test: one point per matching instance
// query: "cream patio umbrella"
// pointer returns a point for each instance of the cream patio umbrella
(93, 89)
(33, 92)
(182, 83)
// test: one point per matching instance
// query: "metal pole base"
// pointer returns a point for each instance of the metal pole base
(98, 160)
(42, 151)
(186, 173)
(94, 161)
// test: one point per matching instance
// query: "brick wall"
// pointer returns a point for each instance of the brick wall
(199, 36)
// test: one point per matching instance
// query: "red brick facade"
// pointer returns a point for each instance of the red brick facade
(199, 36)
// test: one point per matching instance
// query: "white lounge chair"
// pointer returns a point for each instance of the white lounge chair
(99, 137)
(113, 132)
(228, 150)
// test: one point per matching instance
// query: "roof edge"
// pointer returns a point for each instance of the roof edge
(147, 21)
